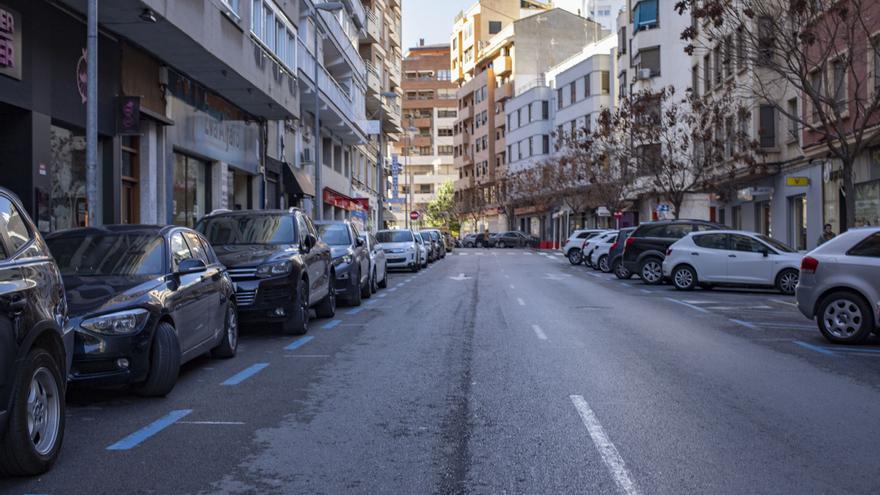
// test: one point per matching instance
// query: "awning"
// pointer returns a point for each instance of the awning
(340, 200)
(298, 182)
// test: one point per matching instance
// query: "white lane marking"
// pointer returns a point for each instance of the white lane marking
(381, 295)
(520, 301)
(744, 324)
(610, 455)
(462, 254)
(738, 308)
(593, 274)
(698, 302)
(479, 254)
(540, 333)
(210, 422)
(528, 254)
(626, 284)
(685, 303)
(307, 355)
(784, 302)
(646, 291)
(392, 289)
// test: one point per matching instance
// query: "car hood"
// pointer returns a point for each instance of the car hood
(247, 255)
(338, 251)
(87, 295)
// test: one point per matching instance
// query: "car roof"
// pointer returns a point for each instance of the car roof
(725, 231)
(219, 213)
(116, 229)
(331, 222)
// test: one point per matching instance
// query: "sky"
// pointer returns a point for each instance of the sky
(432, 19)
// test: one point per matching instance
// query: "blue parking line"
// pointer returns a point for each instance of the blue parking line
(245, 373)
(296, 344)
(815, 348)
(355, 311)
(745, 324)
(697, 308)
(146, 432)
(330, 324)
(858, 350)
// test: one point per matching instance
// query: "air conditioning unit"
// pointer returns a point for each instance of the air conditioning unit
(644, 74)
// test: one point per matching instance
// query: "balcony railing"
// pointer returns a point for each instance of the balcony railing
(348, 99)
(346, 44)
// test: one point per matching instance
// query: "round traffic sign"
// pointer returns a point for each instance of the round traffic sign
(414, 215)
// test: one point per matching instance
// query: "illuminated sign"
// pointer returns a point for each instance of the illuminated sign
(10, 43)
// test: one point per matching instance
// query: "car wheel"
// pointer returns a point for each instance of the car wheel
(479, 244)
(651, 271)
(298, 322)
(33, 436)
(164, 363)
(684, 278)
(384, 282)
(620, 271)
(787, 280)
(355, 298)
(228, 345)
(374, 283)
(500, 244)
(575, 257)
(327, 307)
(367, 288)
(603, 263)
(845, 318)
(415, 267)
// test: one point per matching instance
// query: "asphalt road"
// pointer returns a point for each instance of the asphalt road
(500, 371)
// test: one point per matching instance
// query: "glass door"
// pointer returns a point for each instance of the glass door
(797, 221)
(190, 192)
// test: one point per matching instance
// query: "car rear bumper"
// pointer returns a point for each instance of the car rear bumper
(806, 300)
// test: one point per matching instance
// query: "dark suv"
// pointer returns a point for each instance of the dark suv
(35, 346)
(645, 248)
(351, 260)
(278, 265)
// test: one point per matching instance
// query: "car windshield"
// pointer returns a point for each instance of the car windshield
(394, 236)
(334, 234)
(776, 244)
(248, 229)
(426, 236)
(109, 254)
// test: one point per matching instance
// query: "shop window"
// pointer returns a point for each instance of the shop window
(191, 193)
(797, 207)
(68, 207)
(130, 194)
(868, 204)
(238, 190)
(762, 217)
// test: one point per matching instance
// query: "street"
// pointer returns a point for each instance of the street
(499, 371)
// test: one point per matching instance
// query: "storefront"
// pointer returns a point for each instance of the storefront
(866, 175)
(43, 116)
(338, 206)
(214, 155)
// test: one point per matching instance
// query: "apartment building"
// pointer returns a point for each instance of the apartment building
(487, 82)
(429, 112)
(604, 12)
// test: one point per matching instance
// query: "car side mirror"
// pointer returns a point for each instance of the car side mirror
(765, 252)
(191, 265)
(360, 242)
(310, 241)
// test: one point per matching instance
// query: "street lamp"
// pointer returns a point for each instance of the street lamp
(318, 207)
(409, 133)
(381, 157)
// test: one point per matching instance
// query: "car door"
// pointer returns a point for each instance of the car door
(381, 261)
(360, 252)
(709, 256)
(184, 303)
(746, 263)
(322, 258)
(13, 292)
(313, 264)
(212, 299)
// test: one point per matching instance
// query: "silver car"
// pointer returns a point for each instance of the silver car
(401, 249)
(378, 262)
(840, 286)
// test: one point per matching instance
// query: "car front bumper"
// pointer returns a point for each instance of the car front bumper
(345, 282)
(400, 260)
(111, 359)
(265, 300)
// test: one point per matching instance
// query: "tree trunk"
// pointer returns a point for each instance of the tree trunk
(676, 207)
(849, 193)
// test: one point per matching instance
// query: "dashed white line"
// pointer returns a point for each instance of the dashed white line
(540, 333)
(610, 455)
(785, 302)
(520, 301)
(685, 303)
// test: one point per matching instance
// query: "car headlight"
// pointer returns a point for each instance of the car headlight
(410, 249)
(346, 258)
(274, 269)
(121, 323)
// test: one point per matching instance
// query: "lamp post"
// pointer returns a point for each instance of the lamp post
(407, 180)
(380, 159)
(92, 113)
(318, 207)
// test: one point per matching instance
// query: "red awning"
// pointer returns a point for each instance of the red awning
(340, 200)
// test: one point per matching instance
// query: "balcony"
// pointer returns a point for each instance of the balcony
(502, 65)
(464, 183)
(504, 92)
(423, 122)
(420, 141)
(466, 113)
(373, 31)
(461, 139)
(374, 82)
(342, 43)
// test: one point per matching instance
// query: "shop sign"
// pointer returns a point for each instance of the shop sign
(797, 181)
(749, 193)
(10, 43)
(395, 179)
(372, 127)
(603, 211)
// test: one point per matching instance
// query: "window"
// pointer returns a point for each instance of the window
(269, 39)
(587, 91)
(621, 41)
(606, 81)
(868, 247)
(645, 15)
(444, 132)
(711, 241)
(838, 71)
(13, 224)
(716, 54)
(746, 244)
(545, 144)
(572, 93)
(649, 59)
(444, 150)
(179, 250)
(767, 126)
(792, 119)
(494, 27)
(529, 111)
(876, 59)
(257, 18)
(196, 248)
(740, 48)
(545, 110)
(559, 98)
(233, 5)
(728, 56)
(677, 230)
(130, 195)
(766, 40)
(695, 79)
(707, 77)
(621, 81)
(447, 114)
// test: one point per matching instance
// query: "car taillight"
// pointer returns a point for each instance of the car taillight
(629, 241)
(613, 247)
(809, 264)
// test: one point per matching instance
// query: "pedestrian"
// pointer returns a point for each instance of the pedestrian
(827, 235)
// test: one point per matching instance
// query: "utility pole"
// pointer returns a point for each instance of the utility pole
(92, 113)
(318, 207)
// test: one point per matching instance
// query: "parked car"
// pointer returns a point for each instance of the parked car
(589, 244)
(278, 264)
(512, 239)
(448, 241)
(839, 286)
(378, 263)
(424, 249)
(731, 257)
(572, 247)
(143, 301)
(431, 245)
(469, 241)
(646, 247)
(351, 260)
(615, 254)
(440, 243)
(401, 249)
(36, 346)
(598, 254)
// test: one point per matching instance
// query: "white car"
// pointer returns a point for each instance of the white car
(597, 256)
(731, 257)
(590, 244)
(573, 245)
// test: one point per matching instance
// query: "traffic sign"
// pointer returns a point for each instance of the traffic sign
(618, 214)
(414, 215)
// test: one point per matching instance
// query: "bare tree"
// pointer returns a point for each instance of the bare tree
(819, 49)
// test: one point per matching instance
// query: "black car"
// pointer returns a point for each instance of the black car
(512, 239)
(35, 346)
(279, 266)
(615, 254)
(484, 240)
(351, 260)
(645, 248)
(143, 300)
